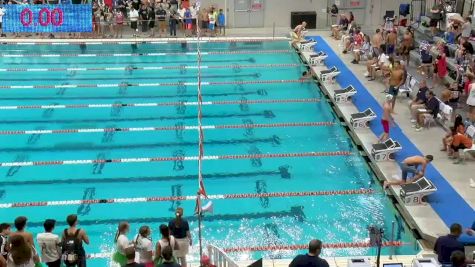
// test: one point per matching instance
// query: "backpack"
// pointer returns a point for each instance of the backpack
(71, 246)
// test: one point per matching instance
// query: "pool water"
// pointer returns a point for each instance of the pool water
(241, 222)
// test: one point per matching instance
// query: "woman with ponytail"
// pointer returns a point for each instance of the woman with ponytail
(180, 229)
(144, 247)
(167, 240)
(122, 242)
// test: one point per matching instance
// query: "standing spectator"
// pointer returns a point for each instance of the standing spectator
(211, 22)
(436, 16)
(194, 16)
(376, 42)
(162, 23)
(467, 28)
(440, 64)
(130, 254)
(446, 245)
(108, 22)
(312, 258)
(22, 254)
(221, 22)
(50, 245)
(188, 22)
(203, 18)
(181, 16)
(119, 23)
(173, 5)
(4, 233)
(20, 225)
(2, 13)
(144, 246)
(167, 240)
(121, 7)
(391, 42)
(180, 229)
(72, 243)
(173, 21)
(457, 259)
(144, 18)
(134, 17)
(121, 243)
(407, 45)
(168, 260)
(333, 14)
(151, 20)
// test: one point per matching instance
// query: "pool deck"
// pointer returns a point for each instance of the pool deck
(423, 218)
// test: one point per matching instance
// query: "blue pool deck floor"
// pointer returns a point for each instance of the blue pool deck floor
(455, 200)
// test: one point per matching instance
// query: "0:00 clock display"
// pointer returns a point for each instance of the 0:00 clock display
(45, 17)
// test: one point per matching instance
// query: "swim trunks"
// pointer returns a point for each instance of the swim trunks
(385, 124)
(393, 90)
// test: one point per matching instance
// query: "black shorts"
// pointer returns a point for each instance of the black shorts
(456, 148)
(393, 90)
(204, 24)
(133, 25)
(151, 24)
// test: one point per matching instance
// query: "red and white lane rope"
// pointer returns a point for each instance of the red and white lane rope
(118, 85)
(190, 158)
(242, 52)
(184, 198)
(305, 246)
(128, 68)
(341, 245)
(167, 128)
(176, 103)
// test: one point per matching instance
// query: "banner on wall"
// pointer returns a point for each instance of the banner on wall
(257, 5)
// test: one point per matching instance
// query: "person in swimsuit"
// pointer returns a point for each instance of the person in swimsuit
(391, 41)
(396, 79)
(411, 165)
(387, 118)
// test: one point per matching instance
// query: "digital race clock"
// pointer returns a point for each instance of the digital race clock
(47, 18)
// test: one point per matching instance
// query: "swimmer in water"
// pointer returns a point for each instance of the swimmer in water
(306, 75)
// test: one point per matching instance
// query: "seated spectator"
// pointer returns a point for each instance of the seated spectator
(459, 141)
(355, 41)
(22, 254)
(379, 63)
(410, 165)
(365, 50)
(419, 101)
(457, 128)
(429, 112)
(311, 259)
(455, 93)
(347, 36)
(446, 245)
(342, 26)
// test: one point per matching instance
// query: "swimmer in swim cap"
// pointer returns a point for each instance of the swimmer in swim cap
(387, 118)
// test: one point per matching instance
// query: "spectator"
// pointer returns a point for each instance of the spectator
(419, 101)
(354, 40)
(143, 14)
(457, 258)
(376, 42)
(161, 17)
(130, 254)
(221, 22)
(4, 234)
(364, 51)
(50, 245)
(446, 245)
(2, 13)
(430, 112)
(134, 17)
(471, 98)
(108, 22)
(467, 28)
(72, 243)
(181, 17)
(407, 45)
(167, 240)
(460, 141)
(436, 16)
(180, 229)
(144, 247)
(151, 20)
(119, 23)
(172, 23)
(168, 260)
(203, 20)
(426, 59)
(391, 42)
(411, 165)
(20, 225)
(212, 24)
(121, 242)
(333, 13)
(341, 26)
(121, 7)
(351, 17)
(22, 254)
(3, 262)
(381, 62)
(188, 22)
(312, 258)
(440, 64)
(458, 127)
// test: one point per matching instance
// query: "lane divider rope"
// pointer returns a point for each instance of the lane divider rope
(128, 68)
(176, 103)
(187, 158)
(250, 52)
(184, 198)
(117, 85)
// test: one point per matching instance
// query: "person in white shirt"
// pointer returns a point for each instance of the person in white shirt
(121, 243)
(144, 245)
(2, 13)
(134, 17)
(50, 245)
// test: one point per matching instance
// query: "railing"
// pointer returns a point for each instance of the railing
(219, 258)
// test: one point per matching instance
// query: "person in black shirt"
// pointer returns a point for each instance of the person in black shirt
(151, 20)
(180, 229)
(431, 110)
(311, 259)
(144, 18)
(446, 245)
(121, 6)
(161, 17)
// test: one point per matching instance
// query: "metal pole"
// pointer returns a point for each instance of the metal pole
(393, 226)
(199, 228)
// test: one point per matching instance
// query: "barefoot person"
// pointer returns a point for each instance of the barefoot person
(387, 108)
(180, 229)
(396, 79)
(411, 165)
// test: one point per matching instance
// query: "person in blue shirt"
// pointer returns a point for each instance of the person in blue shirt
(221, 22)
(446, 245)
(188, 22)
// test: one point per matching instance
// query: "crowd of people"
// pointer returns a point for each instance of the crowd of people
(147, 18)
(18, 248)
